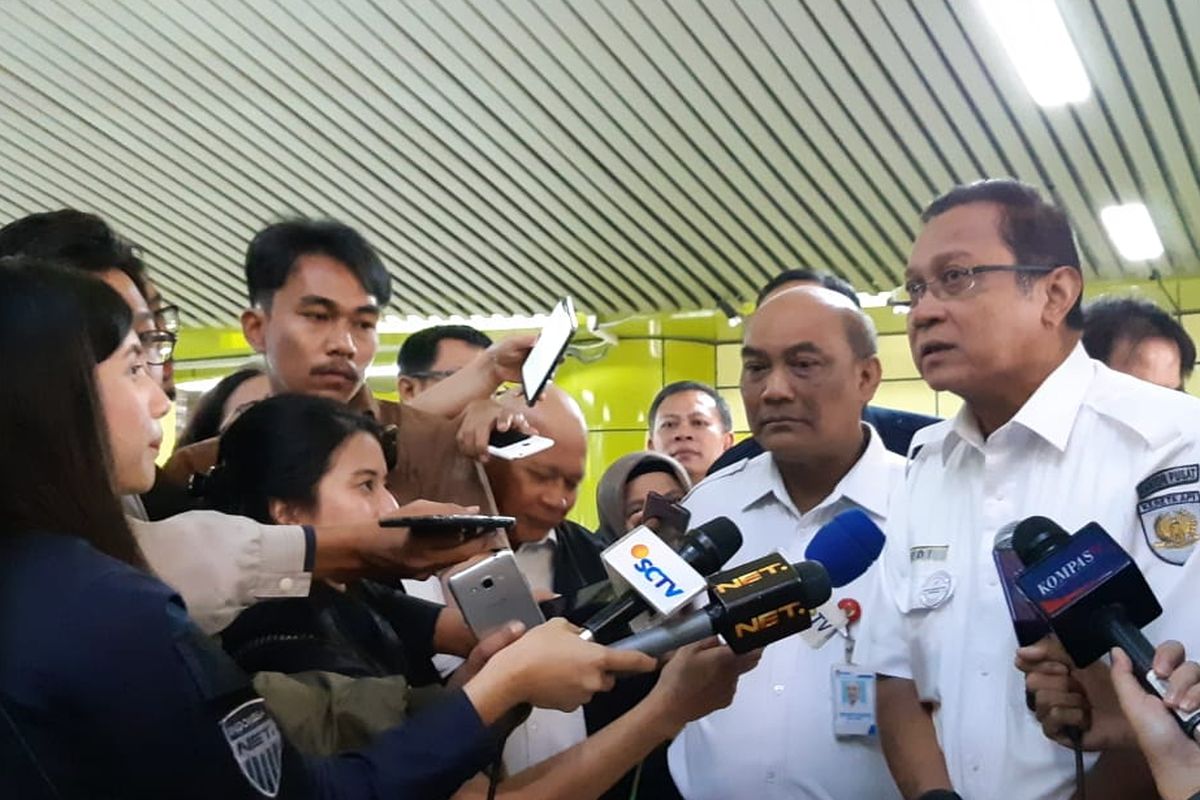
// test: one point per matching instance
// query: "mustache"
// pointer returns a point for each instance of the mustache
(346, 371)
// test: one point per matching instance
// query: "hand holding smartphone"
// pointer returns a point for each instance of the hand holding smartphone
(493, 592)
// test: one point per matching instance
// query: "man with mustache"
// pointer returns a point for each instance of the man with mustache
(809, 367)
(317, 289)
(993, 288)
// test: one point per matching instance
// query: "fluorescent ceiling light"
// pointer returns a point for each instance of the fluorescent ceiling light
(393, 323)
(1132, 231)
(1036, 39)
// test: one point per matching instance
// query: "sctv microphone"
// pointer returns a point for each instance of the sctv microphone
(659, 577)
(1093, 596)
(751, 606)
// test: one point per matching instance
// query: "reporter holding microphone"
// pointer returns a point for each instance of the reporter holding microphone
(107, 688)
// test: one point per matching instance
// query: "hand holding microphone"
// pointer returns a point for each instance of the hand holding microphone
(1173, 758)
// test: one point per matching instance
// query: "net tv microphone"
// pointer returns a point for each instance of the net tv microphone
(1092, 595)
(705, 550)
(751, 606)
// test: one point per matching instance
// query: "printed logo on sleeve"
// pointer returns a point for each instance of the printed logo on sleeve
(1171, 524)
(257, 745)
(1167, 478)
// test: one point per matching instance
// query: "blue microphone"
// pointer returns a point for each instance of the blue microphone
(846, 546)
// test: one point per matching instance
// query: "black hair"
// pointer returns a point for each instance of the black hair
(1037, 232)
(419, 351)
(204, 421)
(279, 449)
(831, 282)
(56, 325)
(74, 239)
(692, 386)
(1108, 321)
(274, 250)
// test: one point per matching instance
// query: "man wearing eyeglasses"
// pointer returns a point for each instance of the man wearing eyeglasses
(166, 321)
(993, 289)
(434, 354)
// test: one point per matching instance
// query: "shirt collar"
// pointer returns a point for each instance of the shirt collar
(550, 541)
(866, 484)
(1049, 413)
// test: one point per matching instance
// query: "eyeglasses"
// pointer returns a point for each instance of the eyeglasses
(166, 318)
(953, 282)
(430, 375)
(159, 346)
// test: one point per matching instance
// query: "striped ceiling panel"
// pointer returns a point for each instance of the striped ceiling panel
(639, 154)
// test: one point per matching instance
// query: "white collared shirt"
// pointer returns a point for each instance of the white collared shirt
(547, 732)
(1089, 445)
(776, 739)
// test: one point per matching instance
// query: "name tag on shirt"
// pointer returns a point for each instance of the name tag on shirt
(853, 701)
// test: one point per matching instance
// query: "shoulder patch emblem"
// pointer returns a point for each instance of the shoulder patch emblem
(1166, 478)
(257, 745)
(1171, 525)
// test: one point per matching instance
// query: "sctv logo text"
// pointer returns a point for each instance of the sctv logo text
(653, 574)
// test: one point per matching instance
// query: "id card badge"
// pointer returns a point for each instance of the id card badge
(853, 701)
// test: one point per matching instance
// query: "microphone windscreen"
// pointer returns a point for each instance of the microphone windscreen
(1036, 536)
(846, 546)
(708, 547)
(815, 581)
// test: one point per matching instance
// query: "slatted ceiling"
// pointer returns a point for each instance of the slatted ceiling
(640, 154)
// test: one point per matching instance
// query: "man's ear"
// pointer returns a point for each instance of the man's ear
(254, 328)
(869, 377)
(1063, 287)
(406, 387)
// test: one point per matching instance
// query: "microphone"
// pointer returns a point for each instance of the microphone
(751, 606)
(1028, 624)
(1092, 595)
(846, 546)
(705, 549)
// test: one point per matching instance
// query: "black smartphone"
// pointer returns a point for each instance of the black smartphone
(470, 525)
(672, 518)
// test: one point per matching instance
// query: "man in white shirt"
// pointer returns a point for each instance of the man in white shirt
(993, 286)
(809, 367)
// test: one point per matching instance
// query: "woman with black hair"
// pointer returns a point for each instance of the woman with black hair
(107, 689)
(220, 405)
(297, 459)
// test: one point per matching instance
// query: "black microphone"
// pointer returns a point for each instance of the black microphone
(1093, 596)
(751, 606)
(705, 549)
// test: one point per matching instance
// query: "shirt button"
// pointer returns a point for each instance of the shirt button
(771, 776)
(286, 584)
(779, 688)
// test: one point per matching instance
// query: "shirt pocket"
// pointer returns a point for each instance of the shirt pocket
(927, 602)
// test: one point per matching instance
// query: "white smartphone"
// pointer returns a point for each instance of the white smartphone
(492, 593)
(513, 444)
(548, 349)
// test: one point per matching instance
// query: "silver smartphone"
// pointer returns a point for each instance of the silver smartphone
(492, 593)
